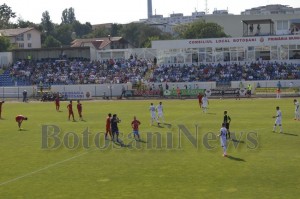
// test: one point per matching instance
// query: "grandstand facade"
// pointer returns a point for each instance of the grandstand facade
(240, 49)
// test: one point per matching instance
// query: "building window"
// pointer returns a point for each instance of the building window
(21, 45)
(20, 37)
(29, 45)
(282, 25)
(28, 36)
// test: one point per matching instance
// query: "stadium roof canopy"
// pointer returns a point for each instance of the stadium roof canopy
(248, 27)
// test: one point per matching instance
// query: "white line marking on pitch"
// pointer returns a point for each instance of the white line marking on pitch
(42, 169)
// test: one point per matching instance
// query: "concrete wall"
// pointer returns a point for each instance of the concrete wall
(271, 83)
(16, 92)
(95, 90)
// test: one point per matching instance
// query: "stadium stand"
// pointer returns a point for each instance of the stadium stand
(66, 72)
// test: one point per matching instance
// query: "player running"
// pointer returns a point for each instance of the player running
(108, 129)
(135, 127)
(70, 109)
(223, 135)
(226, 121)
(278, 119)
(297, 110)
(79, 109)
(19, 119)
(160, 112)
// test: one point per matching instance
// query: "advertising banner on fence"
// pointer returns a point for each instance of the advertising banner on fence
(76, 94)
(147, 93)
(223, 92)
(184, 92)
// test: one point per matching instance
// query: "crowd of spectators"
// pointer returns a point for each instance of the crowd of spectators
(226, 72)
(61, 72)
(58, 72)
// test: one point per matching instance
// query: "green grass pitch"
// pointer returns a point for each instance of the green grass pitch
(261, 164)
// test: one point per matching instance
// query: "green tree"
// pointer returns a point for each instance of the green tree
(138, 34)
(64, 34)
(5, 15)
(98, 32)
(4, 44)
(25, 24)
(200, 29)
(47, 25)
(81, 29)
(50, 41)
(147, 44)
(116, 29)
(64, 16)
(68, 16)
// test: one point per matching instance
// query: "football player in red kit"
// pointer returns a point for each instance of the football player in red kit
(79, 109)
(135, 128)
(1, 109)
(200, 96)
(57, 105)
(19, 119)
(108, 127)
(70, 109)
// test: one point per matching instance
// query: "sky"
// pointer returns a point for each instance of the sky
(126, 11)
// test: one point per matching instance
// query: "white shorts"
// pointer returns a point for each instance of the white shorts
(223, 141)
(160, 114)
(153, 115)
(278, 121)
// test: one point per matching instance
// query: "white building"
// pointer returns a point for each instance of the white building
(23, 38)
(271, 9)
(282, 17)
(222, 50)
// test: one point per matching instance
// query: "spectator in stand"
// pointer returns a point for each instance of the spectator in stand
(132, 70)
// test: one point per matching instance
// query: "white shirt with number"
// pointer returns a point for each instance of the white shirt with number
(278, 117)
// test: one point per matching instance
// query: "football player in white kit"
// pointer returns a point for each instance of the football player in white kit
(153, 114)
(160, 112)
(297, 110)
(278, 119)
(223, 140)
(204, 103)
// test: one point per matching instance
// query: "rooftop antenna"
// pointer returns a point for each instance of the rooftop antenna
(206, 8)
